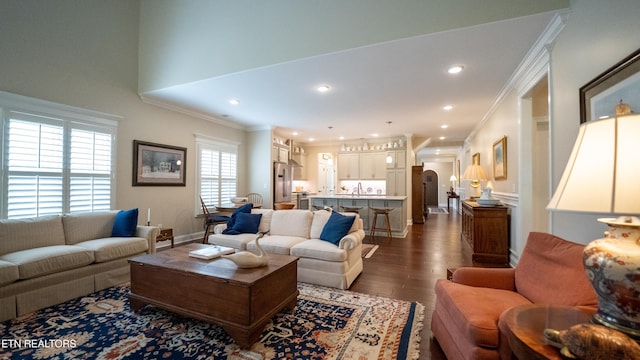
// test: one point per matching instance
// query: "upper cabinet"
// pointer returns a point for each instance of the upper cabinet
(372, 166)
(280, 150)
(349, 166)
(398, 159)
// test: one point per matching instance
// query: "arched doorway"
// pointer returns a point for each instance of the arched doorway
(430, 181)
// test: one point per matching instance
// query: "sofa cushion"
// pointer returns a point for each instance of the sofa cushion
(88, 225)
(473, 312)
(320, 218)
(294, 222)
(265, 221)
(8, 272)
(276, 244)
(239, 241)
(107, 249)
(24, 234)
(551, 270)
(48, 260)
(245, 224)
(336, 227)
(125, 223)
(246, 208)
(319, 249)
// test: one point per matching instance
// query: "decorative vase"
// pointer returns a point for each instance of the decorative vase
(612, 264)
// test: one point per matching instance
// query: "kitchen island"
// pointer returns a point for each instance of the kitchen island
(363, 204)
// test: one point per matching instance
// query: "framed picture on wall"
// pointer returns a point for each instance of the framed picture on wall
(614, 92)
(158, 165)
(500, 159)
(475, 159)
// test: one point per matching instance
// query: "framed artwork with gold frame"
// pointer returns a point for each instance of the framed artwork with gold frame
(500, 159)
(475, 159)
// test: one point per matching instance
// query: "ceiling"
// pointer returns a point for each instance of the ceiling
(404, 82)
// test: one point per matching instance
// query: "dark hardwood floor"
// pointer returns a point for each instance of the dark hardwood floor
(408, 268)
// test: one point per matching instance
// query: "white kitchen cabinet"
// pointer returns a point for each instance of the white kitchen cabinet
(399, 159)
(349, 166)
(280, 153)
(373, 166)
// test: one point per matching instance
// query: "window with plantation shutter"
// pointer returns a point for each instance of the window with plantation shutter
(217, 173)
(57, 159)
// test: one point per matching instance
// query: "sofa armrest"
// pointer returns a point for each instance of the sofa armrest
(351, 240)
(150, 233)
(219, 228)
(495, 278)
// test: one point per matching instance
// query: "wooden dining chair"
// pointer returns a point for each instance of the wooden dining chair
(210, 220)
(255, 199)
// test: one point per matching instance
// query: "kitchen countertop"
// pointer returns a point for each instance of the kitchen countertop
(362, 197)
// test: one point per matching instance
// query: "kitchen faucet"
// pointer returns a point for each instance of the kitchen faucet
(359, 188)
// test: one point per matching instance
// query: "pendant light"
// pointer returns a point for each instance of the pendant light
(389, 157)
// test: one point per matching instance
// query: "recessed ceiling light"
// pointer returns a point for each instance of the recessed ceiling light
(311, 139)
(444, 126)
(375, 135)
(234, 101)
(442, 138)
(447, 107)
(323, 88)
(341, 137)
(295, 133)
(455, 69)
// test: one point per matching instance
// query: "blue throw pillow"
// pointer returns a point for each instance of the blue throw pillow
(125, 223)
(246, 208)
(247, 223)
(336, 227)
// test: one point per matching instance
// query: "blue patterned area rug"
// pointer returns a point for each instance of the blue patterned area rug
(326, 324)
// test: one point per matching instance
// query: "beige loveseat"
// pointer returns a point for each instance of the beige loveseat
(48, 260)
(297, 233)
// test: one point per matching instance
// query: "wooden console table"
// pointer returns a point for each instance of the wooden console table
(165, 234)
(486, 229)
(455, 197)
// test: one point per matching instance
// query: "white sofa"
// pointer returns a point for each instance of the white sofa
(297, 233)
(48, 260)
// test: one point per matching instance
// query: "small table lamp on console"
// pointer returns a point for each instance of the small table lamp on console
(602, 176)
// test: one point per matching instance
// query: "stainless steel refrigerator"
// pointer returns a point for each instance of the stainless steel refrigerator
(283, 178)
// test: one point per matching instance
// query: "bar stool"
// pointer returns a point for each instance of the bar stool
(384, 212)
(349, 209)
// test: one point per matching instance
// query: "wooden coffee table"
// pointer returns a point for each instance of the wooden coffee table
(241, 301)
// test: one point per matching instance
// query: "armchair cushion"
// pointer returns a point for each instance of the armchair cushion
(551, 271)
(475, 309)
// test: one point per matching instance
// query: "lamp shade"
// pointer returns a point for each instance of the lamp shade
(453, 178)
(474, 172)
(602, 173)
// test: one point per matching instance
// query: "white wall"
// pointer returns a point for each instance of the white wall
(597, 35)
(85, 54)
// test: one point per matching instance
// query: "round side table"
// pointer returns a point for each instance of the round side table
(526, 324)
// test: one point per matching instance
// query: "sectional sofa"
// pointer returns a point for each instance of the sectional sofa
(49, 260)
(298, 233)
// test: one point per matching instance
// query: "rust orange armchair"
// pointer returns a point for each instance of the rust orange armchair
(466, 318)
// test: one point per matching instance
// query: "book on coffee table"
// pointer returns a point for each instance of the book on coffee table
(211, 252)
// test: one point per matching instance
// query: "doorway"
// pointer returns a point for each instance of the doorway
(430, 183)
